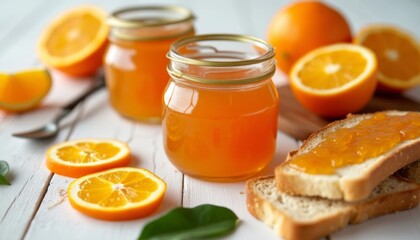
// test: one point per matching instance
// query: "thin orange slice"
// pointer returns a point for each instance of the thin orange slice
(117, 194)
(80, 157)
(75, 42)
(335, 80)
(23, 90)
(398, 54)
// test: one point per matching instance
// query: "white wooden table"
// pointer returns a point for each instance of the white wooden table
(35, 207)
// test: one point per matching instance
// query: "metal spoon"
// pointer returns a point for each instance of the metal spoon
(52, 128)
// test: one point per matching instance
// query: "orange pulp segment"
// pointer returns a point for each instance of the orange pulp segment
(23, 90)
(335, 80)
(117, 194)
(80, 157)
(398, 55)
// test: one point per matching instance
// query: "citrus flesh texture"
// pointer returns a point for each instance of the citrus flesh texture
(84, 156)
(335, 80)
(117, 194)
(25, 90)
(398, 54)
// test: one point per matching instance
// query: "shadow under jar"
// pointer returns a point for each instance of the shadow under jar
(220, 106)
(135, 61)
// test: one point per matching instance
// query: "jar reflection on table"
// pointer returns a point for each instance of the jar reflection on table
(221, 106)
(135, 62)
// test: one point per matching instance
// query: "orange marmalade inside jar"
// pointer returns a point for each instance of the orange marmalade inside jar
(135, 62)
(368, 139)
(220, 113)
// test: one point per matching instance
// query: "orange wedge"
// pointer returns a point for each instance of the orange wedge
(23, 91)
(117, 194)
(80, 157)
(398, 54)
(75, 42)
(335, 80)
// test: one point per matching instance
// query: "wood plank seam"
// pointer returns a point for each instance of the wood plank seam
(79, 115)
(38, 203)
(14, 200)
(154, 152)
(182, 189)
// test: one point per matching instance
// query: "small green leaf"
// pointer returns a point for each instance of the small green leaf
(4, 169)
(191, 223)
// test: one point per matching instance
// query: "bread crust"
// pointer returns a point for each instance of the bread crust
(338, 187)
(284, 225)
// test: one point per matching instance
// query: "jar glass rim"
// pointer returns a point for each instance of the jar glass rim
(116, 19)
(230, 52)
(174, 55)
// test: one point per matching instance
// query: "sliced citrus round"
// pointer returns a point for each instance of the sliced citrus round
(75, 42)
(117, 194)
(81, 157)
(23, 90)
(398, 54)
(335, 80)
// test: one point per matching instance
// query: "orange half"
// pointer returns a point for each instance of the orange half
(117, 194)
(75, 42)
(398, 54)
(335, 80)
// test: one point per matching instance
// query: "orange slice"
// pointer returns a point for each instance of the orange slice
(80, 157)
(24, 90)
(335, 80)
(398, 54)
(117, 194)
(75, 42)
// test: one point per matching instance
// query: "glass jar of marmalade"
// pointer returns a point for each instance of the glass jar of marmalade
(135, 61)
(220, 106)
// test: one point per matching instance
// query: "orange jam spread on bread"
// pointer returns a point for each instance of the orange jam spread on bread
(368, 139)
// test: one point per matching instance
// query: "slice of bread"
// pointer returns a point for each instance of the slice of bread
(300, 218)
(351, 183)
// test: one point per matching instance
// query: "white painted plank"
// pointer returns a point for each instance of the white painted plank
(100, 121)
(390, 227)
(28, 176)
(28, 173)
(28, 182)
(61, 221)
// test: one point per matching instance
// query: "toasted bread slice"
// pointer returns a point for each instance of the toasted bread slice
(353, 182)
(300, 218)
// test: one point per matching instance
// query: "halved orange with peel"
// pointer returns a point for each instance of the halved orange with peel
(75, 42)
(335, 80)
(25, 90)
(85, 156)
(398, 54)
(117, 194)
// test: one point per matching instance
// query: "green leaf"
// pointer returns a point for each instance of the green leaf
(4, 169)
(191, 223)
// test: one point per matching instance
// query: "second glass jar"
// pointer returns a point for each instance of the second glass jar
(135, 62)
(221, 106)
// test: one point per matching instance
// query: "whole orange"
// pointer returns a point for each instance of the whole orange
(303, 26)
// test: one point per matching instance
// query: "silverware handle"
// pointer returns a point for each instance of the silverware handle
(73, 104)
